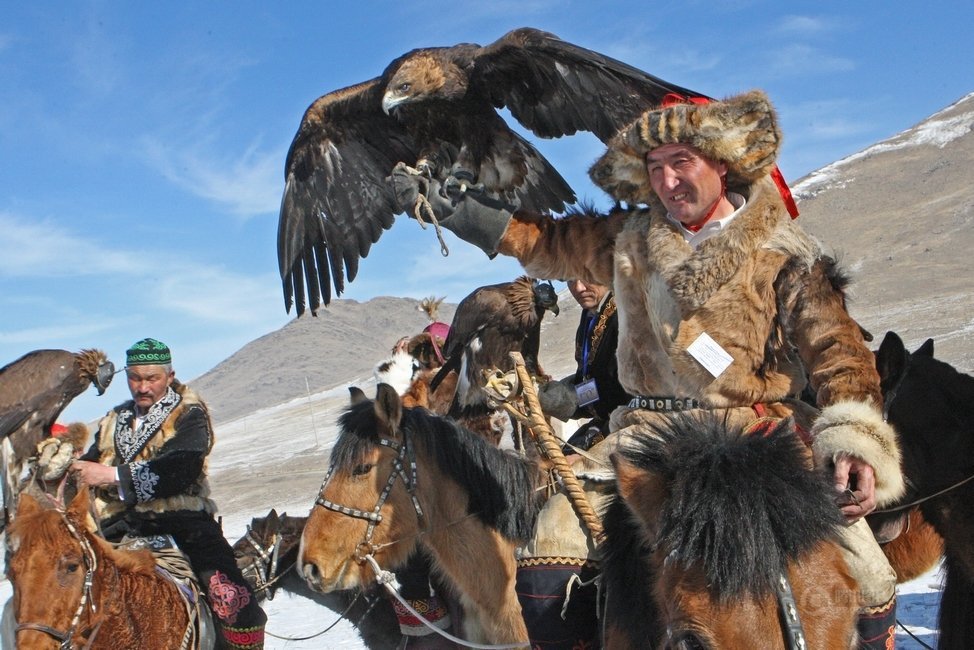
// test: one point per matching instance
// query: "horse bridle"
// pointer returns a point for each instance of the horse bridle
(264, 566)
(405, 456)
(91, 564)
(791, 625)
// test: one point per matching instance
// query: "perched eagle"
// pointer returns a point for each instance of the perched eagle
(433, 108)
(487, 326)
(34, 390)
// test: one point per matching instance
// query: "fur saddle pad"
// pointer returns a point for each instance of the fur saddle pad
(170, 561)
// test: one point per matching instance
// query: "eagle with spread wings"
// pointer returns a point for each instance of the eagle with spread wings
(430, 110)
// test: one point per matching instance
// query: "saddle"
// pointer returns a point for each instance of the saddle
(172, 564)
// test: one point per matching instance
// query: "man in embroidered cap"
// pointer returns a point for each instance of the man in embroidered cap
(148, 470)
(724, 303)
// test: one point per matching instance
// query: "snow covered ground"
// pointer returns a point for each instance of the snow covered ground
(277, 457)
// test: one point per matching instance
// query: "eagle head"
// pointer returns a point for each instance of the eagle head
(421, 77)
(96, 368)
(545, 297)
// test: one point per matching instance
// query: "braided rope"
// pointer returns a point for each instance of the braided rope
(546, 440)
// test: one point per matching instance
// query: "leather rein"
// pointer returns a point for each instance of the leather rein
(91, 564)
(405, 458)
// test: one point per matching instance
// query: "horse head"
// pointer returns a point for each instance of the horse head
(366, 505)
(53, 556)
(730, 529)
(268, 550)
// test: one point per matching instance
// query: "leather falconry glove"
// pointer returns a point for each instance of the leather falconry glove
(558, 399)
(471, 213)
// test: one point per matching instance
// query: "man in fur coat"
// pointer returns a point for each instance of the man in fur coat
(724, 302)
(148, 467)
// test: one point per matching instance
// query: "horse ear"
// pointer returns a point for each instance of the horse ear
(80, 504)
(27, 505)
(891, 359)
(356, 395)
(272, 518)
(926, 349)
(642, 490)
(388, 408)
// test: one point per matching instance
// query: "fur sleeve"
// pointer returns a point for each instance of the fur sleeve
(575, 246)
(842, 371)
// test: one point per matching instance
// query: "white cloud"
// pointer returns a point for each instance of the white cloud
(40, 248)
(804, 60)
(245, 184)
(803, 25)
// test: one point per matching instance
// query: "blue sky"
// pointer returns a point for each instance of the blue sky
(142, 144)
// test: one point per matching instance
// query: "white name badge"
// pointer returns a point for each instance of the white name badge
(710, 355)
(587, 392)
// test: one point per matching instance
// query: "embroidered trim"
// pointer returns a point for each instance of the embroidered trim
(226, 597)
(130, 442)
(144, 480)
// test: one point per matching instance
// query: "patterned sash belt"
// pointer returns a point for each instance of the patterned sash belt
(663, 403)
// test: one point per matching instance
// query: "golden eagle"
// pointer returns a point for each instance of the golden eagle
(431, 109)
(487, 326)
(34, 390)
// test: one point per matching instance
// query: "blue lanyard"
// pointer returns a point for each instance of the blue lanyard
(587, 344)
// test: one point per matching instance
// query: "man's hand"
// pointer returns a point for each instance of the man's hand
(855, 484)
(93, 474)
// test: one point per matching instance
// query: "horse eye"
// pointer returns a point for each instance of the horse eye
(71, 567)
(364, 468)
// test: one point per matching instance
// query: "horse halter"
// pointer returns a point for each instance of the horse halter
(91, 564)
(404, 456)
(791, 625)
(263, 568)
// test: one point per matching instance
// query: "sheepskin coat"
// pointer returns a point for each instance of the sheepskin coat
(163, 473)
(762, 289)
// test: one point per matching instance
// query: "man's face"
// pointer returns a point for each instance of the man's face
(587, 294)
(148, 384)
(686, 182)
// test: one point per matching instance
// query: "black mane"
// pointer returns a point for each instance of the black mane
(739, 506)
(500, 486)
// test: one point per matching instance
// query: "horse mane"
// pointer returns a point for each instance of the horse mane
(43, 526)
(500, 486)
(740, 523)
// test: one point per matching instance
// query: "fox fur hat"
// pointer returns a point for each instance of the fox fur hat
(741, 131)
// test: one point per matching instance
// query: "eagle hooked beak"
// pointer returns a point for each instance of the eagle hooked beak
(390, 101)
(103, 378)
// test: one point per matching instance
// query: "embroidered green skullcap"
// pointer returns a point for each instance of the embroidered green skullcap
(148, 352)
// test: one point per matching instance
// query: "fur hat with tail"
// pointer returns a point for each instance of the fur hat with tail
(741, 132)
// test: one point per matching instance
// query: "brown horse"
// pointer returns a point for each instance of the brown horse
(73, 589)
(267, 555)
(401, 477)
(723, 540)
(931, 405)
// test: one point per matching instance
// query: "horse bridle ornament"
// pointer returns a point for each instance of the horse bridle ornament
(91, 564)
(264, 566)
(404, 457)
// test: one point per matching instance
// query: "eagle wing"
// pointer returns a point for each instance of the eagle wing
(555, 88)
(336, 199)
(34, 390)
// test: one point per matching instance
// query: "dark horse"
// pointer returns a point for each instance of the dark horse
(403, 477)
(267, 554)
(931, 406)
(718, 539)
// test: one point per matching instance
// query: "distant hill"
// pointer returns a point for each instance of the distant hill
(311, 354)
(899, 215)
